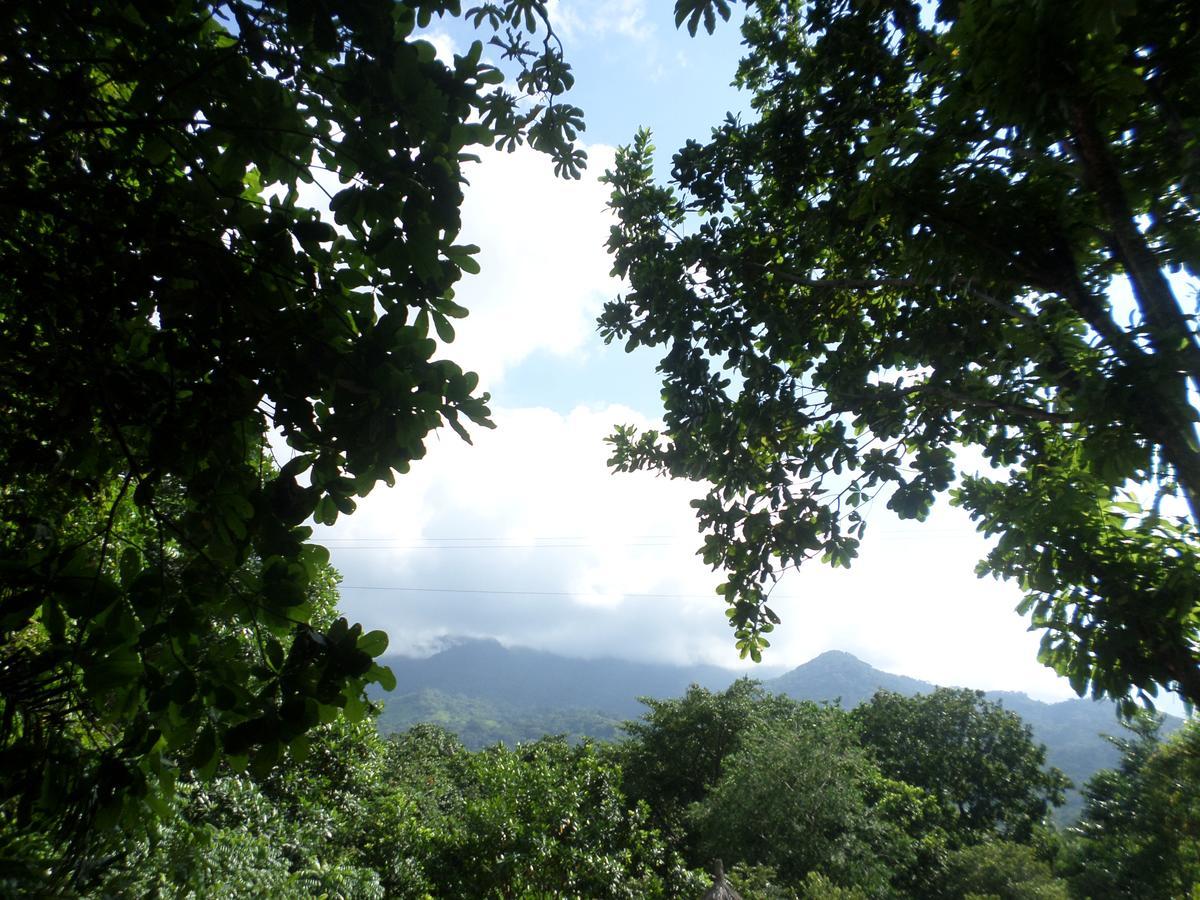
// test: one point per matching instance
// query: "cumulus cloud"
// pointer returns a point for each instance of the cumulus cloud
(528, 538)
(584, 18)
(545, 273)
(581, 561)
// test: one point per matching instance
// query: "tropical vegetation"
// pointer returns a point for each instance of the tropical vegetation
(908, 253)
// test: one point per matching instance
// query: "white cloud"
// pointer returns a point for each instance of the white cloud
(600, 564)
(576, 19)
(545, 273)
(584, 552)
(544, 270)
(443, 44)
(532, 508)
(590, 563)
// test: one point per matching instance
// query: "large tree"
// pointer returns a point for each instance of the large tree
(1139, 834)
(978, 759)
(677, 751)
(167, 296)
(915, 248)
(548, 820)
(803, 796)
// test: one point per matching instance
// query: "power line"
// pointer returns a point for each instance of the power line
(551, 537)
(501, 543)
(406, 547)
(579, 594)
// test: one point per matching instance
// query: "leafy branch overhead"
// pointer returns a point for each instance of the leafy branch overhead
(168, 295)
(695, 11)
(909, 253)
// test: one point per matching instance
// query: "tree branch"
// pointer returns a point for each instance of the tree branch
(1015, 408)
(963, 284)
(1170, 334)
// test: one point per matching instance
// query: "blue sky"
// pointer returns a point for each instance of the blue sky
(527, 537)
(633, 69)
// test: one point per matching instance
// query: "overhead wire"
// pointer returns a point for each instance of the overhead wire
(501, 543)
(580, 594)
(340, 545)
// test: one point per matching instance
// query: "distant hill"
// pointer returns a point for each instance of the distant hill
(1071, 729)
(487, 693)
(486, 670)
(480, 722)
(837, 675)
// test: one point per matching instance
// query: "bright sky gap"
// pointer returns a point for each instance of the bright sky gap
(588, 544)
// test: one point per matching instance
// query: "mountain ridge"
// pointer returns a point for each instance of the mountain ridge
(490, 693)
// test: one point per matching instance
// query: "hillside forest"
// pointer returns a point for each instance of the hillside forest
(941, 795)
(900, 258)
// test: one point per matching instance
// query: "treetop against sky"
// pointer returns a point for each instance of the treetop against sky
(595, 564)
(235, 277)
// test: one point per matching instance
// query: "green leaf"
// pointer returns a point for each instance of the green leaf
(119, 669)
(204, 756)
(152, 554)
(445, 330)
(299, 748)
(355, 709)
(463, 256)
(383, 676)
(53, 620)
(373, 643)
(274, 653)
(326, 512)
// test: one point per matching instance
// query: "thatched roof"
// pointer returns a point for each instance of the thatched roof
(721, 889)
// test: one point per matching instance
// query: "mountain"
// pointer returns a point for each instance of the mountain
(487, 670)
(482, 722)
(485, 692)
(1072, 730)
(837, 675)
(488, 693)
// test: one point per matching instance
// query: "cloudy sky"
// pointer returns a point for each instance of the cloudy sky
(527, 537)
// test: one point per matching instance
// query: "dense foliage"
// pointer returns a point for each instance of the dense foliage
(416, 817)
(795, 798)
(1139, 835)
(909, 253)
(677, 750)
(182, 709)
(790, 788)
(167, 296)
(975, 757)
(796, 806)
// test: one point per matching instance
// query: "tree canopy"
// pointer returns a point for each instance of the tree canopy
(900, 279)
(677, 751)
(977, 758)
(168, 296)
(1139, 835)
(794, 797)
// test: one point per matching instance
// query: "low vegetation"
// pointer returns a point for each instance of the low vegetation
(800, 801)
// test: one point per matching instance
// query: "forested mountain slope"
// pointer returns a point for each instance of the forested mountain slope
(488, 693)
(485, 692)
